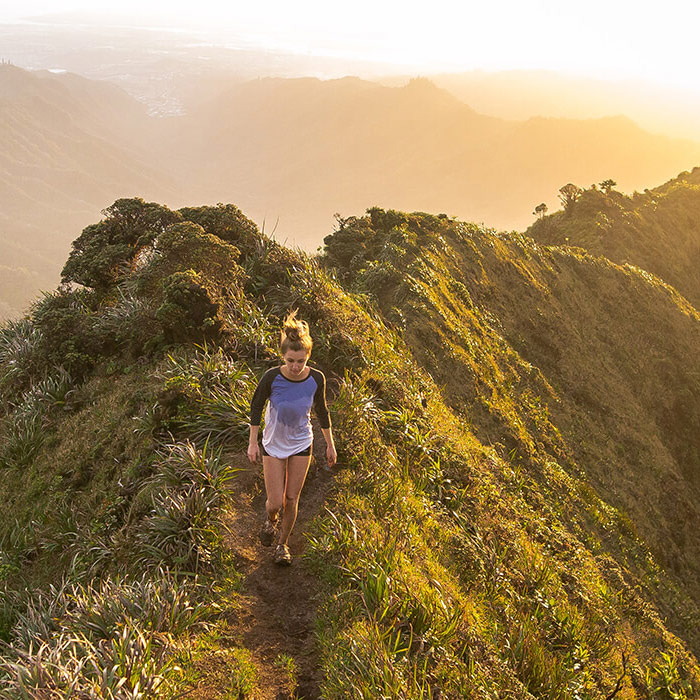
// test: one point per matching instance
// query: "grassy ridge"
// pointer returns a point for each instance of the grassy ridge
(470, 549)
(656, 230)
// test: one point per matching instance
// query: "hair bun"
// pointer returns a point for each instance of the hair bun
(292, 332)
(295, 334)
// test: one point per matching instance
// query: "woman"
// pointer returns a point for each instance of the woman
(292, 390)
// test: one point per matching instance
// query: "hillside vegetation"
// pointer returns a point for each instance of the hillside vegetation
(657, 230)
(515, 514)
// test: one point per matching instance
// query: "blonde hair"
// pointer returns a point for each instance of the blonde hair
(295, 334)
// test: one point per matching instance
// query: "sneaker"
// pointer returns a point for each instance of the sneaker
(282, 555)
(267, 532)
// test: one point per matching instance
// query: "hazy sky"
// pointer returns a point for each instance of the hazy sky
(603, 38)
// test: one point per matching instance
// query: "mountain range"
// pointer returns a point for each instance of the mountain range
(292, 153)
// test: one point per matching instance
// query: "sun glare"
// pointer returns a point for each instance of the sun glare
(638, 40)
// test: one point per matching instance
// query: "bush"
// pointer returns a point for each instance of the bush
(65, 320)
(228, 223)
(188, 310)
(104, 251)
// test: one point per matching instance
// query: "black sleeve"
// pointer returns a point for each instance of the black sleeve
(320, 406)
(262, 394)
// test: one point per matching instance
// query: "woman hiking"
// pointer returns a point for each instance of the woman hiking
(292, 389)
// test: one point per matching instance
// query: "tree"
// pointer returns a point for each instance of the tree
(541, 210)
(569, 194)
(607, 185)
(227, 222)
(102, 251)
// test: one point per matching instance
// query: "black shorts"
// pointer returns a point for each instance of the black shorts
(304, 453)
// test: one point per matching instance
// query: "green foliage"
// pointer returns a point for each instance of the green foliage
(64, 320)
(98, 641)
(666, 679)
(228, 223)
(20, 355)
(104, 251)
(569, 194)
(244, 675)
(289, 668)
(463, 552)
(25, 424)
(187, 491)
(207, 397)
(188, 310)
(186, 246)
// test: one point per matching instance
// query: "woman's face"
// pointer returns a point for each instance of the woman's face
(295, 361)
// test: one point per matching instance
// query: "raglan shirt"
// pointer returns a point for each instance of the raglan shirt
(288, 415)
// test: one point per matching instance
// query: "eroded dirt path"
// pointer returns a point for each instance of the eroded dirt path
(275, 610)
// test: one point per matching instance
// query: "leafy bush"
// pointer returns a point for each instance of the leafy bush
(65, 320)
(227, 222)
(188, 310)
(104, 252)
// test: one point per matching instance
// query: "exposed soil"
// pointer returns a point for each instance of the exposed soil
(275, 611)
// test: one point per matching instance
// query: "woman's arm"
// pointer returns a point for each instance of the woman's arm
(324, 418)
(331, 454)
(262, 394)
(253, 449)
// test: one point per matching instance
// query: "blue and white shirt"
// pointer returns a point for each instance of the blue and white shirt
(288, 416)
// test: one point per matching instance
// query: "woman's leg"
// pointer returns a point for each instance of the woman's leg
(274, 470)
(297, 468)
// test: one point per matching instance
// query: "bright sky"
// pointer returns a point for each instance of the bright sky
(602, 38)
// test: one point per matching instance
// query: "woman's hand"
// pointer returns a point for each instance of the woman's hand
(331, 455)
(253, 452)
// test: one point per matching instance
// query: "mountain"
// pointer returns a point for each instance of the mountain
(278, 145)
(656, 230)
(292, 153)
(516, 507)
(521, 94)
(68, 147)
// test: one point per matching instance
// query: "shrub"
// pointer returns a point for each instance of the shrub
(227, 222)
(188, 310)
(104, 251)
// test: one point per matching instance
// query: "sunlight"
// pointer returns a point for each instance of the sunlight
(631, 40)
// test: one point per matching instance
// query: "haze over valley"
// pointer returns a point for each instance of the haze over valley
(178, 119)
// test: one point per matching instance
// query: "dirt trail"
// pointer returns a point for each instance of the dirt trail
(275, 611)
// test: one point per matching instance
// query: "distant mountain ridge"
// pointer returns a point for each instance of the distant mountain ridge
(292, 153)
(67, 146)
(350, 142)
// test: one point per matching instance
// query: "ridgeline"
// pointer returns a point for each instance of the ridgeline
(656, 230)
(515, 512)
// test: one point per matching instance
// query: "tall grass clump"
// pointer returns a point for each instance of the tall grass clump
(24, 425)
(209, 397)
(19, 354)
(107, 640)
(179, 529)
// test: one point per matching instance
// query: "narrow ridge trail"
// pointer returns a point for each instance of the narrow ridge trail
(275, 610)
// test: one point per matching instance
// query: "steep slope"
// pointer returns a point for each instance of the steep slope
(463, 550)
(657, 230)
(595, 363)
